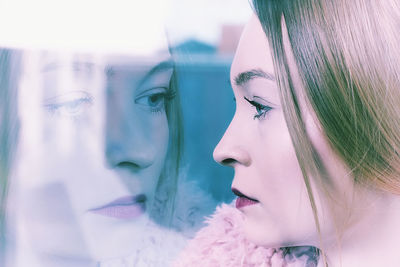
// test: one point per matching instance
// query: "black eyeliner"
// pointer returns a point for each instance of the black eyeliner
(259, 108)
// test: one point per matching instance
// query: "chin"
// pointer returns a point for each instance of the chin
(109, 238)
(262, 234)
(270, 235)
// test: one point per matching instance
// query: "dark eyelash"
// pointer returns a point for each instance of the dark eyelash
(170, 94)
(261, 109)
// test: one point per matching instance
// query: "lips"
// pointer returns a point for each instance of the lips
(243, 200)
(125, 208)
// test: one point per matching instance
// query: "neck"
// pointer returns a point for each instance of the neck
(372, 240)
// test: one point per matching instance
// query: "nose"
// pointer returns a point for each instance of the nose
(231, 149)
(127, 143)
(125, 156)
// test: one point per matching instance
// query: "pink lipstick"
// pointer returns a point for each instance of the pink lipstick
(242, 200)
(124, 208)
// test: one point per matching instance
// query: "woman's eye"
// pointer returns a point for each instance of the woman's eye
(261, 110)
(153, 99)
(70, 104)
(156, 99)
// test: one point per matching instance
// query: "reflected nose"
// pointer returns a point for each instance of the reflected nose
(231, 149)
(122, 156)
(127, 141)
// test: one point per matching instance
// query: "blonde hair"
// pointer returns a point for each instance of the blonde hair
(168, 183)
(347, 53)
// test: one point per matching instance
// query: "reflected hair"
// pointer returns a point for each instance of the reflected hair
(167, 186)
(347, 53)
(9, 124)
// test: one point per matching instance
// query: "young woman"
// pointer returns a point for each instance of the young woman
(315, 139)
(95, 177)
(94, 159)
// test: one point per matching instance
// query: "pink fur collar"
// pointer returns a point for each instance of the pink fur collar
(222, 243)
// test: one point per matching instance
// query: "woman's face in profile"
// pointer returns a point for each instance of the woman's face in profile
(268, 179)
(92, 147)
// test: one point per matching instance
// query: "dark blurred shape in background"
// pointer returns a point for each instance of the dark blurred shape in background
(208, 107)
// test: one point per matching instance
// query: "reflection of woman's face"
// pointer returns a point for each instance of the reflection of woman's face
(258, 146)
(92, 148)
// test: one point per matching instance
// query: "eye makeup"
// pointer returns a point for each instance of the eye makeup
(69, 104)
(261, 110)
(155, 99)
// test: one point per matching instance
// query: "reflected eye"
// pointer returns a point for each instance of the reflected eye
(261, 110)
(69, 104)
(155, 99)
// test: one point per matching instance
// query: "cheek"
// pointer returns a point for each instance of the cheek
(341, 181)
(160, 136)
(285, 214)
(157, 140)
(277, 161)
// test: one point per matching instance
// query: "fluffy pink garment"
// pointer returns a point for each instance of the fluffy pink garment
(222, 243)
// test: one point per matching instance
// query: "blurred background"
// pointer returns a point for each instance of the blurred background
(204, 36)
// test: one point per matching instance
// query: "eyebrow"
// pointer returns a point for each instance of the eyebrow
(245, 77)
(161, 67)
(76, 65)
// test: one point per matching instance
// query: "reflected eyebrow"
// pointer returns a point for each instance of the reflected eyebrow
(245, 77)
(76, 66)
(161, 67)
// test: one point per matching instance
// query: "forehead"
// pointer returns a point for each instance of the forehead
(253, 51)
(79, 67)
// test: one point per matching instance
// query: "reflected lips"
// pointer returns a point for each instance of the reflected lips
(242, 200)
(128, 207)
